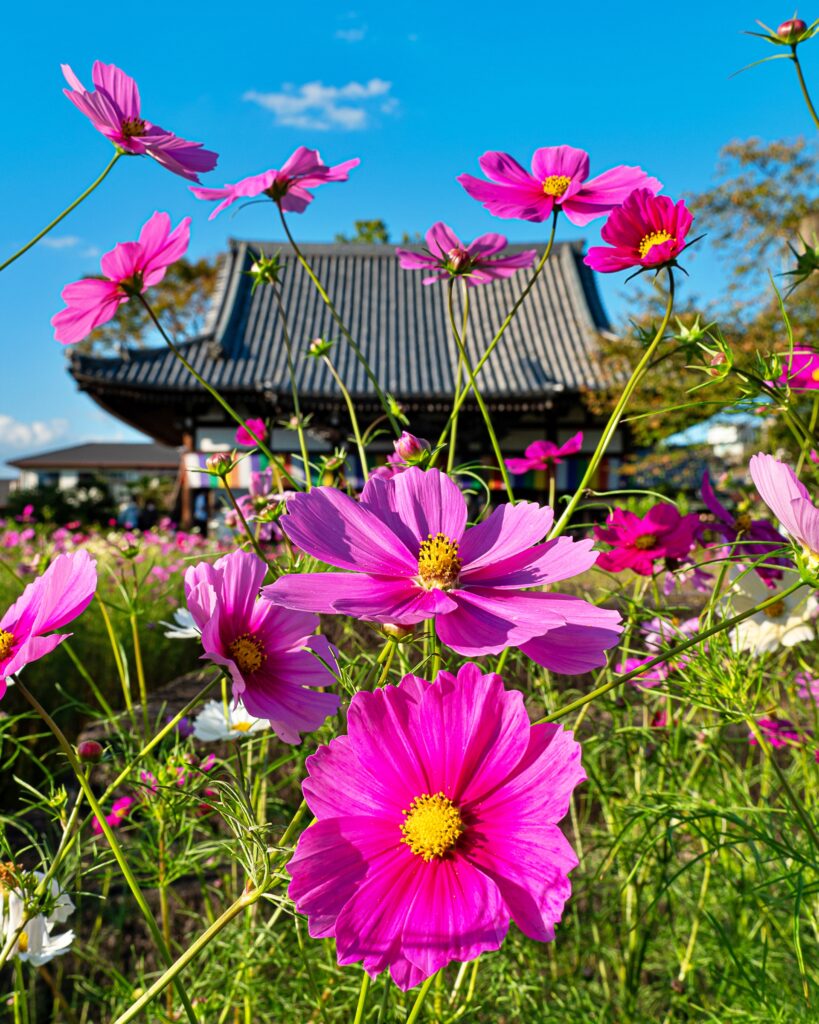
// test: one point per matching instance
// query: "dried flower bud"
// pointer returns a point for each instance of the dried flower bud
(791, 30)
(412, 449)
(89, 751)
(221, 463)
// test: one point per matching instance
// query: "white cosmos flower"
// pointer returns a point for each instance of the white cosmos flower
(183, 627)
(36, 943)
(216, 722)
(784, 624)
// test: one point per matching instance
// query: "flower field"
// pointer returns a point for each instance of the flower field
(419, 750)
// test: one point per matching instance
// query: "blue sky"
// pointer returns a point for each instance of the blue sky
(418, 91)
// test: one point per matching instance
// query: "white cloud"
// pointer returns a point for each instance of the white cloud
(16, 434)
(320, 107)
(351, 35)
(60, 241)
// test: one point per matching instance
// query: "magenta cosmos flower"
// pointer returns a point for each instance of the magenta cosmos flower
(542, 455)
(114, 110)
(646, 231)
(130, 268)
(436, 823)
(801, 370)
(287, 187)
(251, 433)
(755, 538)
(638, 541)
(558, 180)
(118, 814)
(266, 650)
(787, 497)
(51, 601)
(478, 263)
(410, 556)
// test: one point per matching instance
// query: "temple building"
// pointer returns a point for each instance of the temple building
(532, 383)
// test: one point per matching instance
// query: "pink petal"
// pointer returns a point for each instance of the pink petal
(441, 238)
(120, 87)
(561, 161)
(429, 503)
(123, 261)
(502, 167)
(509, 530)
(487, 621)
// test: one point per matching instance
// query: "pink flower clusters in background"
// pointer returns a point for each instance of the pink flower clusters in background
(120, 810)
(287, 187)
(408, 556)
(479, 262)
(559, 179)
(114, 109)
(130, 268)
(647, 231)
(424, 848)
(543, 455)
(637, 542)
(50, 602)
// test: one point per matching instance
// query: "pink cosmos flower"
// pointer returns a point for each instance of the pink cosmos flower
(542, 455)
(779, 732)
(114, 110)
(756, 538)
(637, 542)
(119, 812)
(787, 497)
(266, 650)
(436, 824)
(478, 263)
(130, 268)
(646, 231)
(807, 687)
(245, 435)
(801, 370)
(51, 601)
(287, 187)
(558, 180)
(646, 680)
(409, 556)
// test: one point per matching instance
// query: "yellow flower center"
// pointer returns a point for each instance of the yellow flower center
(247, 652)
(773, 611)
(438, 562)
(742, 523)
(646, 542)
(6, 644)
(655, 238)
(556, 185)
(241, 726)
(22, 942)
(432, 825)
(132, 127)
(815, 376)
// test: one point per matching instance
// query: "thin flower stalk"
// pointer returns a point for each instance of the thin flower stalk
(72, 206)
(802, 85)
(108, 832)
(328, 302)
(418, 1005)
(251, 534)
(460, 341)
(122, 671)
(617, 414)
(305, 458)
(348, 401)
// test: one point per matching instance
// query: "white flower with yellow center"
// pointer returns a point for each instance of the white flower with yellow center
(783, 624)
(218, 721)
(36, 942)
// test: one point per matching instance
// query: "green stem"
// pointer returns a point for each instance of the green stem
(140, 671)
(418, 1005)
(108, 832)
(802, 84)
(614, 419)
(328, 302)
(359, 441)
(362, 998)
(254, 540)
(65, 212)
(453, 430)
(123, 675)
(389, 654)
(470, 373)
(501, 330)
(214, 393)
(672, 652)
(293, 389)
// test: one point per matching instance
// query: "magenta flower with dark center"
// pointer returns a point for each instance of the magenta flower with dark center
(478, 262)
(436, 824)
(542, 455)
(269, 652)
(51, 601)
(114, 109)
(647, 231)
(287, 187)
(754, 538)
(558, 180)
(129, 269)
(800, 371)
(408, 555)
(637, 542)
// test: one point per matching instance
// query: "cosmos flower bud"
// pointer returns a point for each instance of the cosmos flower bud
(220, 463)
(89, 751)
(791, 30)
(412, 449)
(319, 347)
(396, 632)
(458, 258)
(265, 270)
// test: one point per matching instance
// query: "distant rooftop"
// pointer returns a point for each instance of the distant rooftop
(103, 455)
